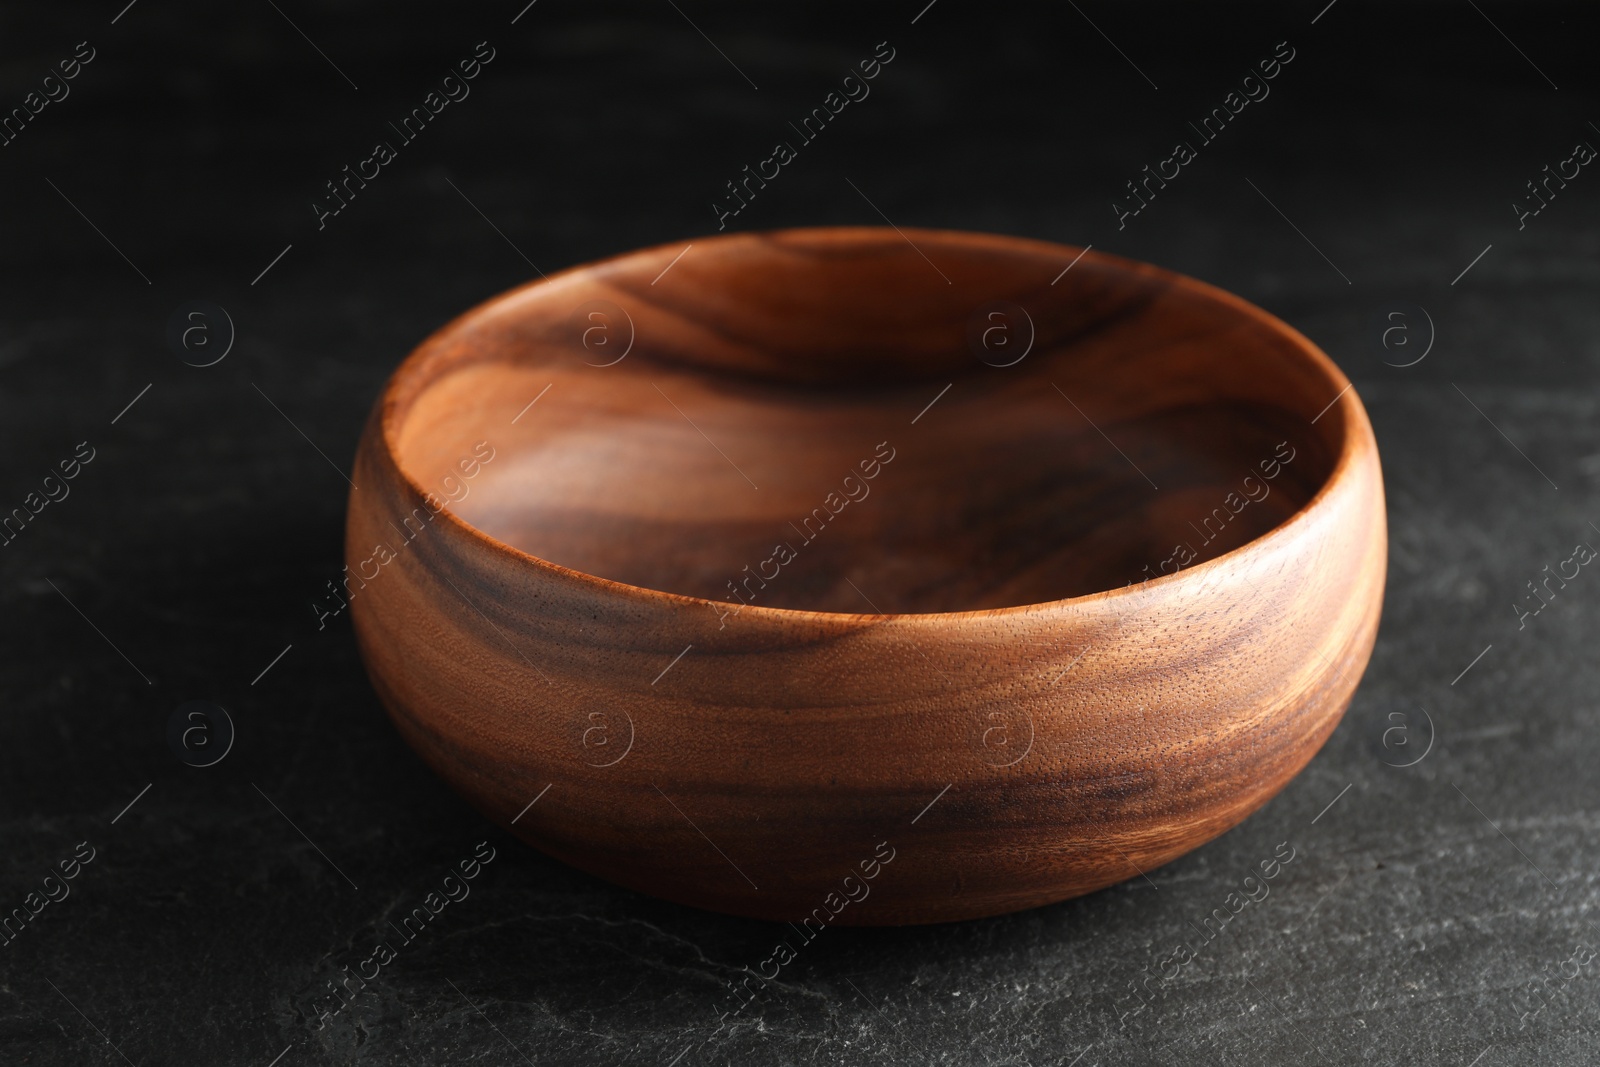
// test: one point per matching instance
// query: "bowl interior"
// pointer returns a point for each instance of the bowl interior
(836, 420)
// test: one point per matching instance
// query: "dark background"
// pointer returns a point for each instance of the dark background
(1420, 905)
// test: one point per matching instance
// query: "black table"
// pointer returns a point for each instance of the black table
(1438, 906)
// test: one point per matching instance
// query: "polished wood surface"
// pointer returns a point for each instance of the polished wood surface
(708, 548)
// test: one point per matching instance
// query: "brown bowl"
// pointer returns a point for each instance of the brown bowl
(852, 576)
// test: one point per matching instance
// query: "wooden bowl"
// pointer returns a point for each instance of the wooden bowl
(852, 576)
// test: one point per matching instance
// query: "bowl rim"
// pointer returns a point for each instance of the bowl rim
(426, 358)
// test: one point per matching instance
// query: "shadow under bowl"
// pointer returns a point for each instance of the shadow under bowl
(862, 577)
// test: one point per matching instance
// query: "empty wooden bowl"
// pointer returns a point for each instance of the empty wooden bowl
(851, 576)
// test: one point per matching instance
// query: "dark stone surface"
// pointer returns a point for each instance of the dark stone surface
(1418, 906)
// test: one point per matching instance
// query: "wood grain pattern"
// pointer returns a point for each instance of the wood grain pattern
(1071, 610)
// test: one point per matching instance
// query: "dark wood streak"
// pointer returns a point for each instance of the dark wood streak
(807, 728)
